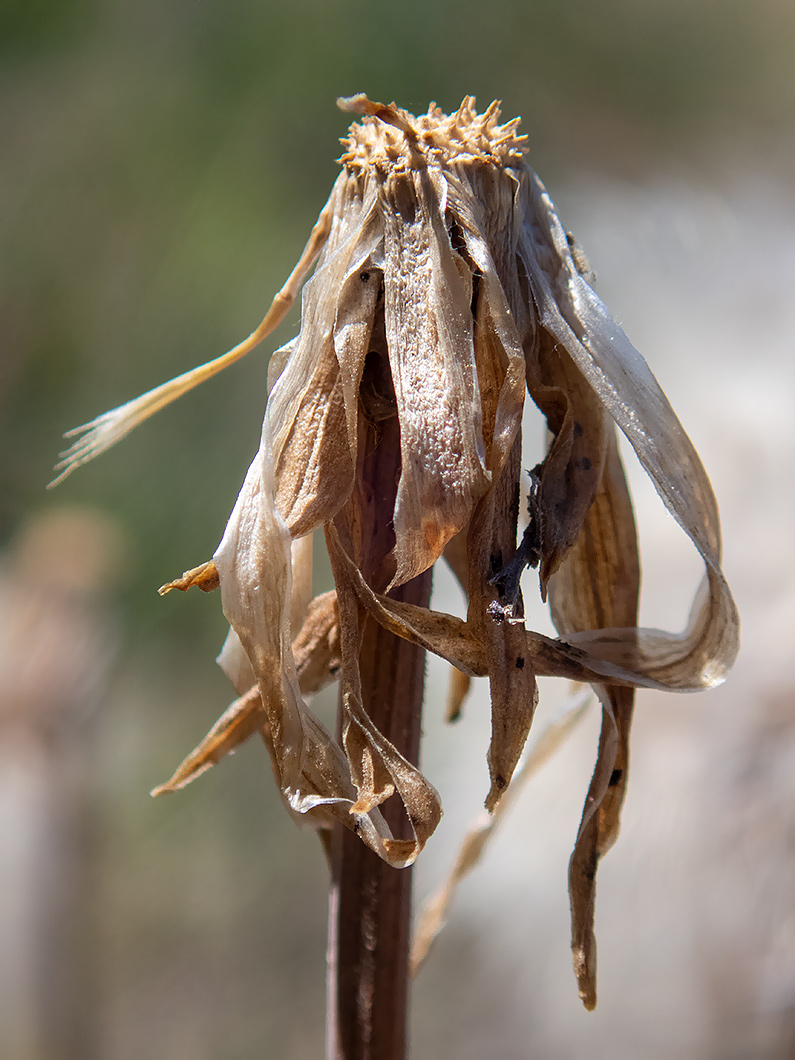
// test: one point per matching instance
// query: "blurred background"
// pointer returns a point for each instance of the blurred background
(162, 164)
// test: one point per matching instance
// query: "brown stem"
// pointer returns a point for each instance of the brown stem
(370, 901)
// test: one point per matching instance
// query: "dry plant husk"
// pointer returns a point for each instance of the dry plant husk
(446, 288)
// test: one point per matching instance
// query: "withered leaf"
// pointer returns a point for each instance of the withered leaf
(512, 679)
(569, 475)
(598, 584)
(575, 317)
(427, 295)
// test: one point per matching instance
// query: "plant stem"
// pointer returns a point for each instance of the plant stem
(370, 907)
(370, 903)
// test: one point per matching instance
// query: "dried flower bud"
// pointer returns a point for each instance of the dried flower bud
(445, 288)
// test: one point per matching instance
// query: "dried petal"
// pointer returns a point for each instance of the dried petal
(377, 767)
(427, 295)
(512, 681)
(454, 639)
(253, 562)
(204, 577)
(568, 478)
(312, 405)
(316, 649)
(502, 317)
(575, 317)
(238, 722)
(598, 584)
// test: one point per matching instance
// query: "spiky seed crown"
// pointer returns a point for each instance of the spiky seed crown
(390, 137)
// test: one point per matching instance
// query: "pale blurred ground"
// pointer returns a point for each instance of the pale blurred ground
(161, 167)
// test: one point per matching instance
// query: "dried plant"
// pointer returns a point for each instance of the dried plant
(446, 287)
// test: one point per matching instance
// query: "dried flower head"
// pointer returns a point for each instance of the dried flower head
(445, 288)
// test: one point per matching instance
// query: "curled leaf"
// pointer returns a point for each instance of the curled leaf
(598, 583)
(575, 317)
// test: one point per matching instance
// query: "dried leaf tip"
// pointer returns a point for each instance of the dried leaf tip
(204, 577)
